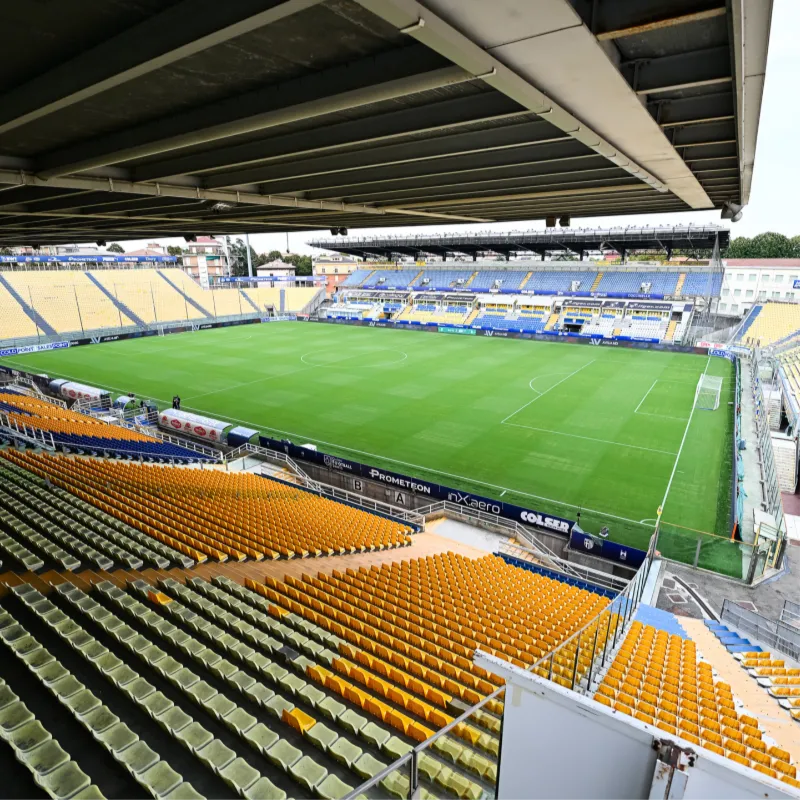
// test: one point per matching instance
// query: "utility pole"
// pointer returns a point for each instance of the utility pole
(249, 259)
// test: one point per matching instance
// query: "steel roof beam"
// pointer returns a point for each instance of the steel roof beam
(429, 118)
(185, 29)
(387, 76)
(661, 24)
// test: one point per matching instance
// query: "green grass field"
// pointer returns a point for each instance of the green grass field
(560, 428)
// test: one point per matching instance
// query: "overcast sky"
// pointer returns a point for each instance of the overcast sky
(775, 182)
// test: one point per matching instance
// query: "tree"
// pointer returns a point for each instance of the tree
(5, 251)
(174, 250)
(765, 245)
(238, 254)
(114, 248)
(301, 264)
(274, 255)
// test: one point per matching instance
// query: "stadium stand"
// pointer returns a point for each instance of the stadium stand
(443, 279)
(506, 280)
(701, 284)
(81, 433)
(14, 322)
(659, 680)
(632, 282)
(769, 323)
(561, 281)
(429, 313)
(390, 279)
(355, 279)
(218, 514)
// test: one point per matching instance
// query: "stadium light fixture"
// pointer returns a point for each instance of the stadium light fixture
(732, 211)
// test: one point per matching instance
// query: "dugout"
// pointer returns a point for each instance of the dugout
(194, 425)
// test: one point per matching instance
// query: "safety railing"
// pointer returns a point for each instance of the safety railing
(187, 444)
(777, 634)
(28, 387)
(26, 433)
(574, 664)
(509, 526)
(367, 503)
(604, 580)
(790, 613)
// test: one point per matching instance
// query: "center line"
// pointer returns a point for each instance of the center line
(542, 394)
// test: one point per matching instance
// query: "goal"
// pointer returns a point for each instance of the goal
(709, 388)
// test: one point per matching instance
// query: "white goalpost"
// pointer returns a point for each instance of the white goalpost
(709, 388)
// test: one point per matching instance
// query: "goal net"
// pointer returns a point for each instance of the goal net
(709, 388)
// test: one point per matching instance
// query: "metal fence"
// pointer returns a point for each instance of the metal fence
(574, 664)
(790, 613)
(777, 634)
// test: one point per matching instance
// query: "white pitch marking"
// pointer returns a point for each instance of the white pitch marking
(542, 394)
(636, 410)
(588, 438)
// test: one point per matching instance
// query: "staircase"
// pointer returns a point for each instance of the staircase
(474, 313)
(416, 277)
(367, 277)
(119, 305)
(37, 319)
(596, 282)
(552, 321)
(524, 281)
(185, 296)
(670, 330)
(471, 278)
(249, 300)
(679, 285)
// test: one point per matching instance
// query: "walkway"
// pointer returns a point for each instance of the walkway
(776, 721)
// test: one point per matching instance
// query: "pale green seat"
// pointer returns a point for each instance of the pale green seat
(276, 672)
(277, 705)
(240, 721)
(208, 658)
(184, 678)
(220, 706)
(13, 632)
(260, 694)
(94, 650)
(117, 738)
(28, 736)
(38, 659)
(259, 662)
(294, 684)
(122, 676)
(448, 748)
(82, 703)
(312, 695)
(321, 736)
(264, 789)
(156, 704)
(243, 651)
(345, 752)
(51, 673)
(99, 720)
(332, 708)
(138, 758)
(216, 755)
(261, 737)
(429, 767)
(397, 784)
(64, 782)
(14, 716)
(193, 647)
(367, 766)
(242, 681)
(224, 669)
(139, 643)
(396, 748)
(283, 754)
(25, 646)
(194, 736)
(326, 656)
(375, 735)
(184, 791)
(311, 648)
(91, 792)
(239, 775)
(352, 722)
(139, 689)
(153, 654)
(308, 773)
(7, 697)
(459, 785)
(332, 788)
(202, 693)
(168, 666)
(66, 687)
(108, 663)
(174, 720)
(45, 758)
(160, 779)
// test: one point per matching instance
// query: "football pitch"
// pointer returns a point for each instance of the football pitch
(605, 433)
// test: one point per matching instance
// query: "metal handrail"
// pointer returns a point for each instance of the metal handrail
(29, 434)
(628, 600)
(30, 389)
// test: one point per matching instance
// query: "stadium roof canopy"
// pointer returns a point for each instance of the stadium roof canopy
(540, 242)
(149, 118)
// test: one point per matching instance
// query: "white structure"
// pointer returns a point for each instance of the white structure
(749, 280)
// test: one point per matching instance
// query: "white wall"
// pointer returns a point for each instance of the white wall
(774, 283)
(557, 744)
